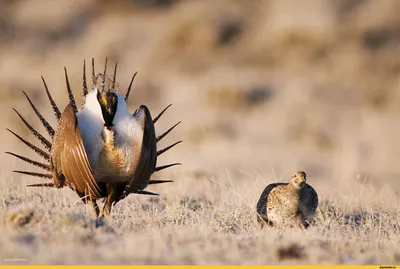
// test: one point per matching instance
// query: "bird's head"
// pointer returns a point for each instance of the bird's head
(299, 179)
(108, 102)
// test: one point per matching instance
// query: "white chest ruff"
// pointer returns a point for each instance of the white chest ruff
(91, 124)
(122, 148)
(112, 154)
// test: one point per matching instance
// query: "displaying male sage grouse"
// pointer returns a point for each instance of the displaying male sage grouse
(101, 151)
(288, 204)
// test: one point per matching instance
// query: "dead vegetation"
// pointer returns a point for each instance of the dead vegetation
(262, 88)
(179, 229)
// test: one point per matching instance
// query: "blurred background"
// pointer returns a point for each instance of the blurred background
(263, 88)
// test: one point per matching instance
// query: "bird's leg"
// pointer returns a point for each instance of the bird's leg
(95, 211)
(264, 222)
(112, 190)
(305, 224)
(95, 208)
(260, 221)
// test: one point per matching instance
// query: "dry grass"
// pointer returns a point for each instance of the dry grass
(263, 89)
(212, 226)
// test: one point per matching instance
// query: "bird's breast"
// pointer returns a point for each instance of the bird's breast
(118, 160)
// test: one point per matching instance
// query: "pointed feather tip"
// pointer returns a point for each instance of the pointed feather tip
(147, 193)
(162, 167)
(33, 174)
(84, 85)
(115, 76)
(43, 166)
(156, 181)
(130, 86)
(26, 95)
(161, 151)
(103, 81)
(30, 145)
(66, 75)
(161, 113)
(70, 94)
(40, 137)
(48, 127)
(167, 132)
(94, 82)
(56, 110)
(48, 185)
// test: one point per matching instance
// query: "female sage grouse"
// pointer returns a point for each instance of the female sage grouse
(101, 151)
(290, 204)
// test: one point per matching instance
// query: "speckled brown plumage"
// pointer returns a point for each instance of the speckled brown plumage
(288, 204)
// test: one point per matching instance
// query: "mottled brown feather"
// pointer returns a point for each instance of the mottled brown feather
(72, 156)
(284, 204)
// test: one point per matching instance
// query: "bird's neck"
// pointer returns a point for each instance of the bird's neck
(294, 189)
(108, 136)
(111, 154)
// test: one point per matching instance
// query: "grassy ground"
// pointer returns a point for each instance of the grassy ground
(214, 223)
(263, 89)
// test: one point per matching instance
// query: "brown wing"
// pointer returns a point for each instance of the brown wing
(148, 155)
(73, 159)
